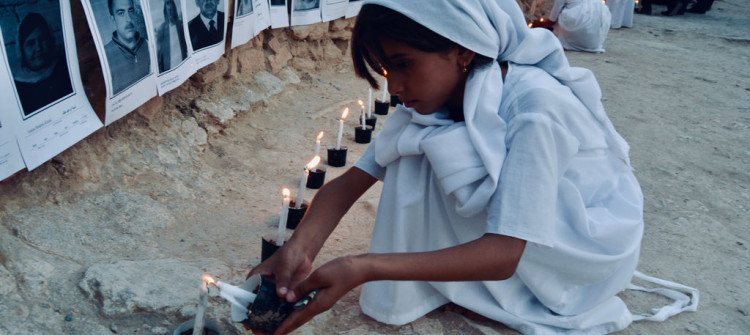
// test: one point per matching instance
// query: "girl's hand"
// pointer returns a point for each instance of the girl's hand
(332, 280)
(287, 267)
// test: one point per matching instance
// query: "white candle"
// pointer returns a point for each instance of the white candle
(200, 312)
(341, 128)
(283, 218)
(362, 107)
(302, 186)
(317, 143)
(369, 102)
(385, 84)
(237, 292)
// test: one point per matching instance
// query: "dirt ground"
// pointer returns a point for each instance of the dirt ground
(677, 88)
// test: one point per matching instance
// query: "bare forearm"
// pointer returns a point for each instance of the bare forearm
(327, 208)
(491, 257)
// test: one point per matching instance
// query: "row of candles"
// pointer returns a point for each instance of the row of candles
(239, 297)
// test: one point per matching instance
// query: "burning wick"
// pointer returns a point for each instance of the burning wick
(303, 183)
(235, 295)
(341, 128)
(282, 219)
(317, 143)
(362, 108)
(385, 84)
(369, 102)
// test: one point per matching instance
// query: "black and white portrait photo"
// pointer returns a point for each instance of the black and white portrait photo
(123, 33)
(207, 26)
(244, 7)
(171, 44)
(37, 60)
(306, 4)
(278, 2)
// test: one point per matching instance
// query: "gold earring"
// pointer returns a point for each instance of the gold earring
(464, 70)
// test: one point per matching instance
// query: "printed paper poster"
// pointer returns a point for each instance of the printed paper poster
(262, 16)
(334, 9)
(10, 156)
(352, 9)
(243, 28)
(279, 14)
(305, 12)
(207, 28)
(124, 40)
(173, 51)
(43, 99)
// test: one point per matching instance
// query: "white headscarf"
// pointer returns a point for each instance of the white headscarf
(497, 29)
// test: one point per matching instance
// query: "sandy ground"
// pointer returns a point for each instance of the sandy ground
(677, 88)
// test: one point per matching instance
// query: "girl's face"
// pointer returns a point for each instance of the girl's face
(424, 80)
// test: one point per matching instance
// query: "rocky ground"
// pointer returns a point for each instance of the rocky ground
(111, 236)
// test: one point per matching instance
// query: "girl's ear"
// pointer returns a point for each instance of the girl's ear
(465, 56)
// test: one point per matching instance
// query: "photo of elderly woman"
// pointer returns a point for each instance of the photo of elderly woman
(36, 57)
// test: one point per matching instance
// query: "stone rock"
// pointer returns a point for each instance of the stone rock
(271, 84)
(162, 286)
(280, 60)
(338, 25)
(251, 60)
(195, 134)
(151, 107)
(303, 64)
(216, 109)
(210, 73)
(289, 76)
(426, 326)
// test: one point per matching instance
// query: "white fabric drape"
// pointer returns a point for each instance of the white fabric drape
(582, 25)
(622, 13)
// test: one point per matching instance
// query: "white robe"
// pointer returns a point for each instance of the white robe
(582, 25)
(622, 13)
(561, 188)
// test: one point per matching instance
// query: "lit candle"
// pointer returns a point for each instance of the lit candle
(303, 183)
(385, 84)
(236, 296)
(369, 102)
(282, 219)
(200, 312)
(317, 142)
(341, 128)
(362, 107)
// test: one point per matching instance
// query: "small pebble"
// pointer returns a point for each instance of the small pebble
(68, 318)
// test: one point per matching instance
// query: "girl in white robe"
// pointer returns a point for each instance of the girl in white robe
(507, 191)
(581, 25)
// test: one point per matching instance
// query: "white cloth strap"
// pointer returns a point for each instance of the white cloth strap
(685, 298)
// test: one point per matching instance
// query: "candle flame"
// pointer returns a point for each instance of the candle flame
(529, 25)
(541, 20)
(345, 113)
(320, 135)
(313, 163)
(385, 73)
(286, 193)
(361, 103)
(208, 279)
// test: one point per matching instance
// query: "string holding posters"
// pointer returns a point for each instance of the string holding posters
(262, 16)
(352, 8)
(173, 52)
(279, 14)
(243, 28)
(43, 100)
(207, 28)
(334, 9)
(305, 12)
(123, 40)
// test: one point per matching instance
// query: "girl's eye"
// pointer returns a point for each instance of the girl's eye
(401, 65)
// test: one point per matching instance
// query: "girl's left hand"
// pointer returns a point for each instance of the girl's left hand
(332, 280)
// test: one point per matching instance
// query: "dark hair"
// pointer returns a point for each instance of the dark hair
(374, 23)
(109, 4)
(31, 22)
(173, 15)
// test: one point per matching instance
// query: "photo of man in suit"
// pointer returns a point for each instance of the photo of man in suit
(127, 53)
(207, 28)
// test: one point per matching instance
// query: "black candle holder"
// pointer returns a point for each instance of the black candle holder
(268, 310)
(337, 157)
(316, 178)
(395, 100)
(362, 135)
(186, 328)
(381, 108)
(268, 247)
(294, 214)
(371, 122)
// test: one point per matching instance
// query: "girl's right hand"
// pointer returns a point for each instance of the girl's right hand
(287, 267)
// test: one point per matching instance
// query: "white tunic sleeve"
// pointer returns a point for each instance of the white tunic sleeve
(368, 164)
(524, 205)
